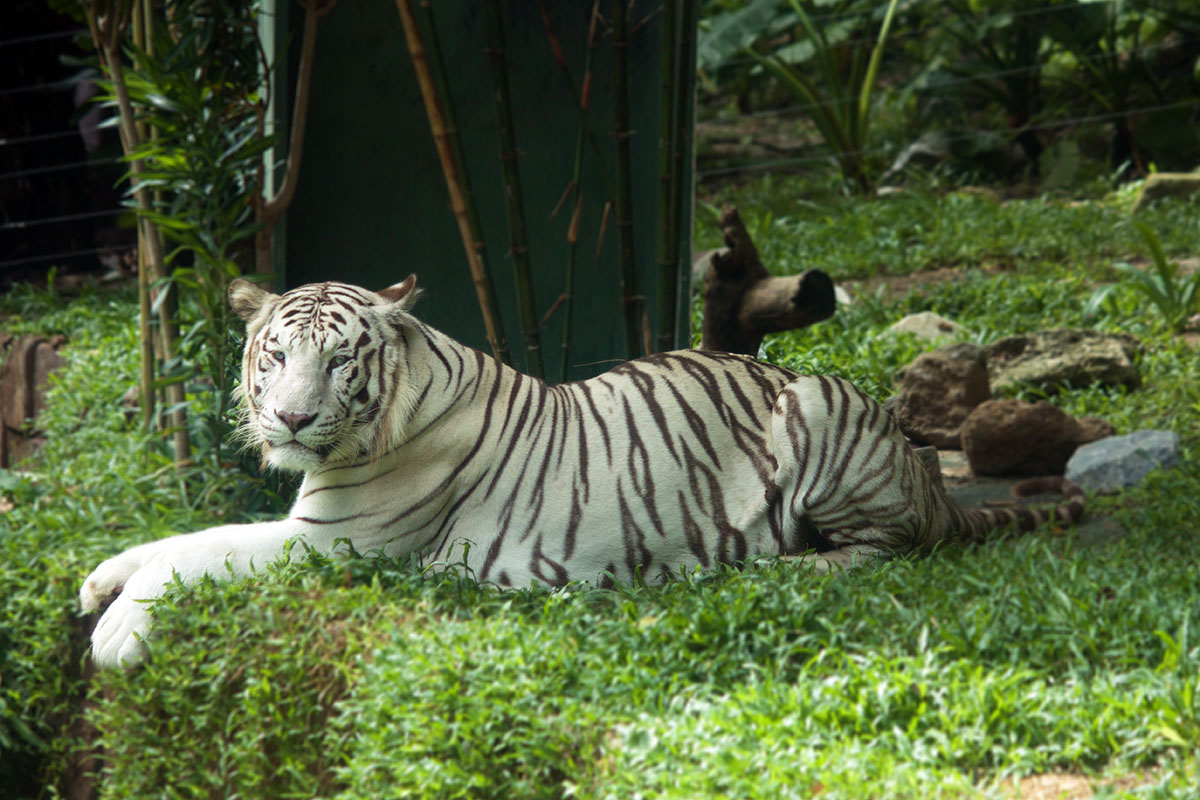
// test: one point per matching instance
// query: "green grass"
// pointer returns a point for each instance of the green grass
(918, 230)
(930, 676)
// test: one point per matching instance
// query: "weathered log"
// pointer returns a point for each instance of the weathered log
(743, 302)
(26, 365)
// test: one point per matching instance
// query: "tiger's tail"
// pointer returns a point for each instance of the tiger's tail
(980, 524)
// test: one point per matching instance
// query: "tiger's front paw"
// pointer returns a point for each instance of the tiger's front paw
(125, 583)
(120, 636)
(108, 580)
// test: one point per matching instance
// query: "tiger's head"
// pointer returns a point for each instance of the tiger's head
(322, 366)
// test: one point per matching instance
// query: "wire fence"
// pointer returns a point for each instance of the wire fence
(933, 23)
(948, 78)
(59, 202)
(998, 74)
(59, 166)
(792, 162)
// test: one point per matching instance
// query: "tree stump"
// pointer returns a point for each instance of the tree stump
(23, 379)
(743, 303)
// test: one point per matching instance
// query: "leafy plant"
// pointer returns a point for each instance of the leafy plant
(1106, 53)
(202, 96)
(839, 102)
(192, 110)
(1171, 292)
(1000, 54)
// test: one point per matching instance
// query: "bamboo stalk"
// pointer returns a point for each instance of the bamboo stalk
(313, 11)
(439, 109)
(146, 384)
(569, 287)
(262, 238)
(107, 38)
(684, 172)
(512, 186)
(631, 300)
(577, 92)
(668, 252)
(585, 92)
(460, 159)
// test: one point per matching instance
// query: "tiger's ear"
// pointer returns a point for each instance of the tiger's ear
(404, 293)
(247, 299)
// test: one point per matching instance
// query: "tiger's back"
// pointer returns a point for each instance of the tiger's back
(660, 464)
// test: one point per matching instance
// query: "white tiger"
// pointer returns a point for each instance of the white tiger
(412, 442)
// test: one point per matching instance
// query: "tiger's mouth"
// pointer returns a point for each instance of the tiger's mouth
(299, 448)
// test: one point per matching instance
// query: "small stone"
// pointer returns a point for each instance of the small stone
(1113, 463)
(1013, 437)
(928, 326)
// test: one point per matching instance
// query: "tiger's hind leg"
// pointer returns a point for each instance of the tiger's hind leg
(844, 467)
(831, 561)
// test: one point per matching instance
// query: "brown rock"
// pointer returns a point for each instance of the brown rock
(937, 392)
(1013, 437)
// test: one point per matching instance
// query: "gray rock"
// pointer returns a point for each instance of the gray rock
(1051, 359)
(1166, 184)
(933, 148)
(928, 326)
(1113, 463)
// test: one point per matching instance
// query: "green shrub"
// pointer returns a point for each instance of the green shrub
(100, 485)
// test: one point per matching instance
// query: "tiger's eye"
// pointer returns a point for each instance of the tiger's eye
(278, 355)
(338, 361)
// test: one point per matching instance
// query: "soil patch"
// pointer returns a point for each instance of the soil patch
(1067, 786)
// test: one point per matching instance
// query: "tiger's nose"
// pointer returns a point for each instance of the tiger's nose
(294, 422)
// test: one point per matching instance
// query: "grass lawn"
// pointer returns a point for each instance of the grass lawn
(956, 674)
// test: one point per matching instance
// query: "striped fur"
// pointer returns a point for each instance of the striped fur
(413, 443)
